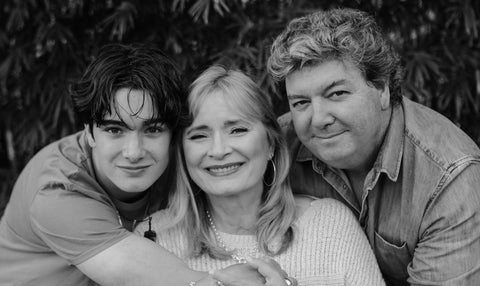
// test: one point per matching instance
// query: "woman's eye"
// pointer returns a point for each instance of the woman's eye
(196, 137)
(239, 130)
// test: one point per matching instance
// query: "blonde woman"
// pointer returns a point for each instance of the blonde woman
(233, 201)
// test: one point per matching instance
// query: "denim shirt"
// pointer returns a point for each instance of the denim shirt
(420, 206)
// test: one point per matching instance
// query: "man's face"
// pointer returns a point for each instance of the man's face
(337, 115)
(130, 151)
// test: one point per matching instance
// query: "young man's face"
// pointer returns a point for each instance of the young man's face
(337, 115)
(129, 150)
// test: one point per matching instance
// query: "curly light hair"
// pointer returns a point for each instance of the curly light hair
(338, 34)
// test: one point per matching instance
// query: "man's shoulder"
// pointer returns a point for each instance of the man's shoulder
(69, 152)
(58, 164)
(68, 147)
(436, 136)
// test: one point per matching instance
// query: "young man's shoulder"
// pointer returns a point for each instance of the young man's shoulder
(61, 157)
(53, 170)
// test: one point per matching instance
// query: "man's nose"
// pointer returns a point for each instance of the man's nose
(133, 148)
(321, 114)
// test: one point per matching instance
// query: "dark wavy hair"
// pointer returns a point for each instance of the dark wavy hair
(135, 66)
(342, 34)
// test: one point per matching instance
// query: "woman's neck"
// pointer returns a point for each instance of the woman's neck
(235, 215)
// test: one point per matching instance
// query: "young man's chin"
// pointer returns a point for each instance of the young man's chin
(134, 188)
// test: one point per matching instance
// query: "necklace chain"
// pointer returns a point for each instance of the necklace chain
(238, 255)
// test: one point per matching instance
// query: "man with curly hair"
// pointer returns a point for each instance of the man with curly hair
(409, 174)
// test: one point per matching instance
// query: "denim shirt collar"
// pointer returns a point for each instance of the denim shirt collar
(389, 157)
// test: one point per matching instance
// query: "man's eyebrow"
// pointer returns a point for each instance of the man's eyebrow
(123, 124)
(320, 90)
(295, 96)
(112, 122)
(153, 121)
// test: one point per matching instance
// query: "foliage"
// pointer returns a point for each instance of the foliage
(46, 44)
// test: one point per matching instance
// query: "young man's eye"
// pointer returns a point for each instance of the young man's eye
(155, 129)
(113, 130)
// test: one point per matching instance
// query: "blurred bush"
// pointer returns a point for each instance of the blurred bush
(46, 44)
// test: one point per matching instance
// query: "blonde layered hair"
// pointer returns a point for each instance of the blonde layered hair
(188, 204)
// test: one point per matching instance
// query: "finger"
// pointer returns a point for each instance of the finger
(223, 277)
(274, 264)
(272, 274)
(248, 278)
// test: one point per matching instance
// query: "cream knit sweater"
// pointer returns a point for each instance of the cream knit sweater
(329, 247)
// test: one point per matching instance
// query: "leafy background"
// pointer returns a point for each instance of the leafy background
(46, 44)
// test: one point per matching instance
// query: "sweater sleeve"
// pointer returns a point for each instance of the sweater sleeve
(348, 246)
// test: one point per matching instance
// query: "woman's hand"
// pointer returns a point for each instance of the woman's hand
(242, 274)
(272, 272)
(257, 271)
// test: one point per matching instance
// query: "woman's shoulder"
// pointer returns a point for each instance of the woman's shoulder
(325, 209)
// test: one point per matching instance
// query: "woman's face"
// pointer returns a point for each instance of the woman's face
(225, 153)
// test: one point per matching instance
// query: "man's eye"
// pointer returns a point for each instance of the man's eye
(299, 103)
(113, 130)
(337, 93)
(155, 129)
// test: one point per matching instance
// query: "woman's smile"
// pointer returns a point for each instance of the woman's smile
(224, 170)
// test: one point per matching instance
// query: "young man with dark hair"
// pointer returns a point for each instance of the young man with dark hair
(71, 211)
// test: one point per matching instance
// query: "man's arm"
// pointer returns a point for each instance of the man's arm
(448, 251)
(138, 261)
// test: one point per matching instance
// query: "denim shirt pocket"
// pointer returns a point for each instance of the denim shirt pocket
(391, 258)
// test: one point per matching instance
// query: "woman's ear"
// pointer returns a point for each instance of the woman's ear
(271, 152)
(89, 135)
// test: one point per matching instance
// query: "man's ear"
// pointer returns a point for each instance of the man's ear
(385, 97)
(89, 135)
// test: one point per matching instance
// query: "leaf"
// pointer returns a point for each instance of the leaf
(18, 16)
(121, 20)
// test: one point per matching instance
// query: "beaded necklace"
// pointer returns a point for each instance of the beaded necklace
(239, 255)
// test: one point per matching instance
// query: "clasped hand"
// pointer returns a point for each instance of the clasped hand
(257, 271)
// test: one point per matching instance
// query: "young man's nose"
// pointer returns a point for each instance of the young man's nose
(219, 146)
(133, 148)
